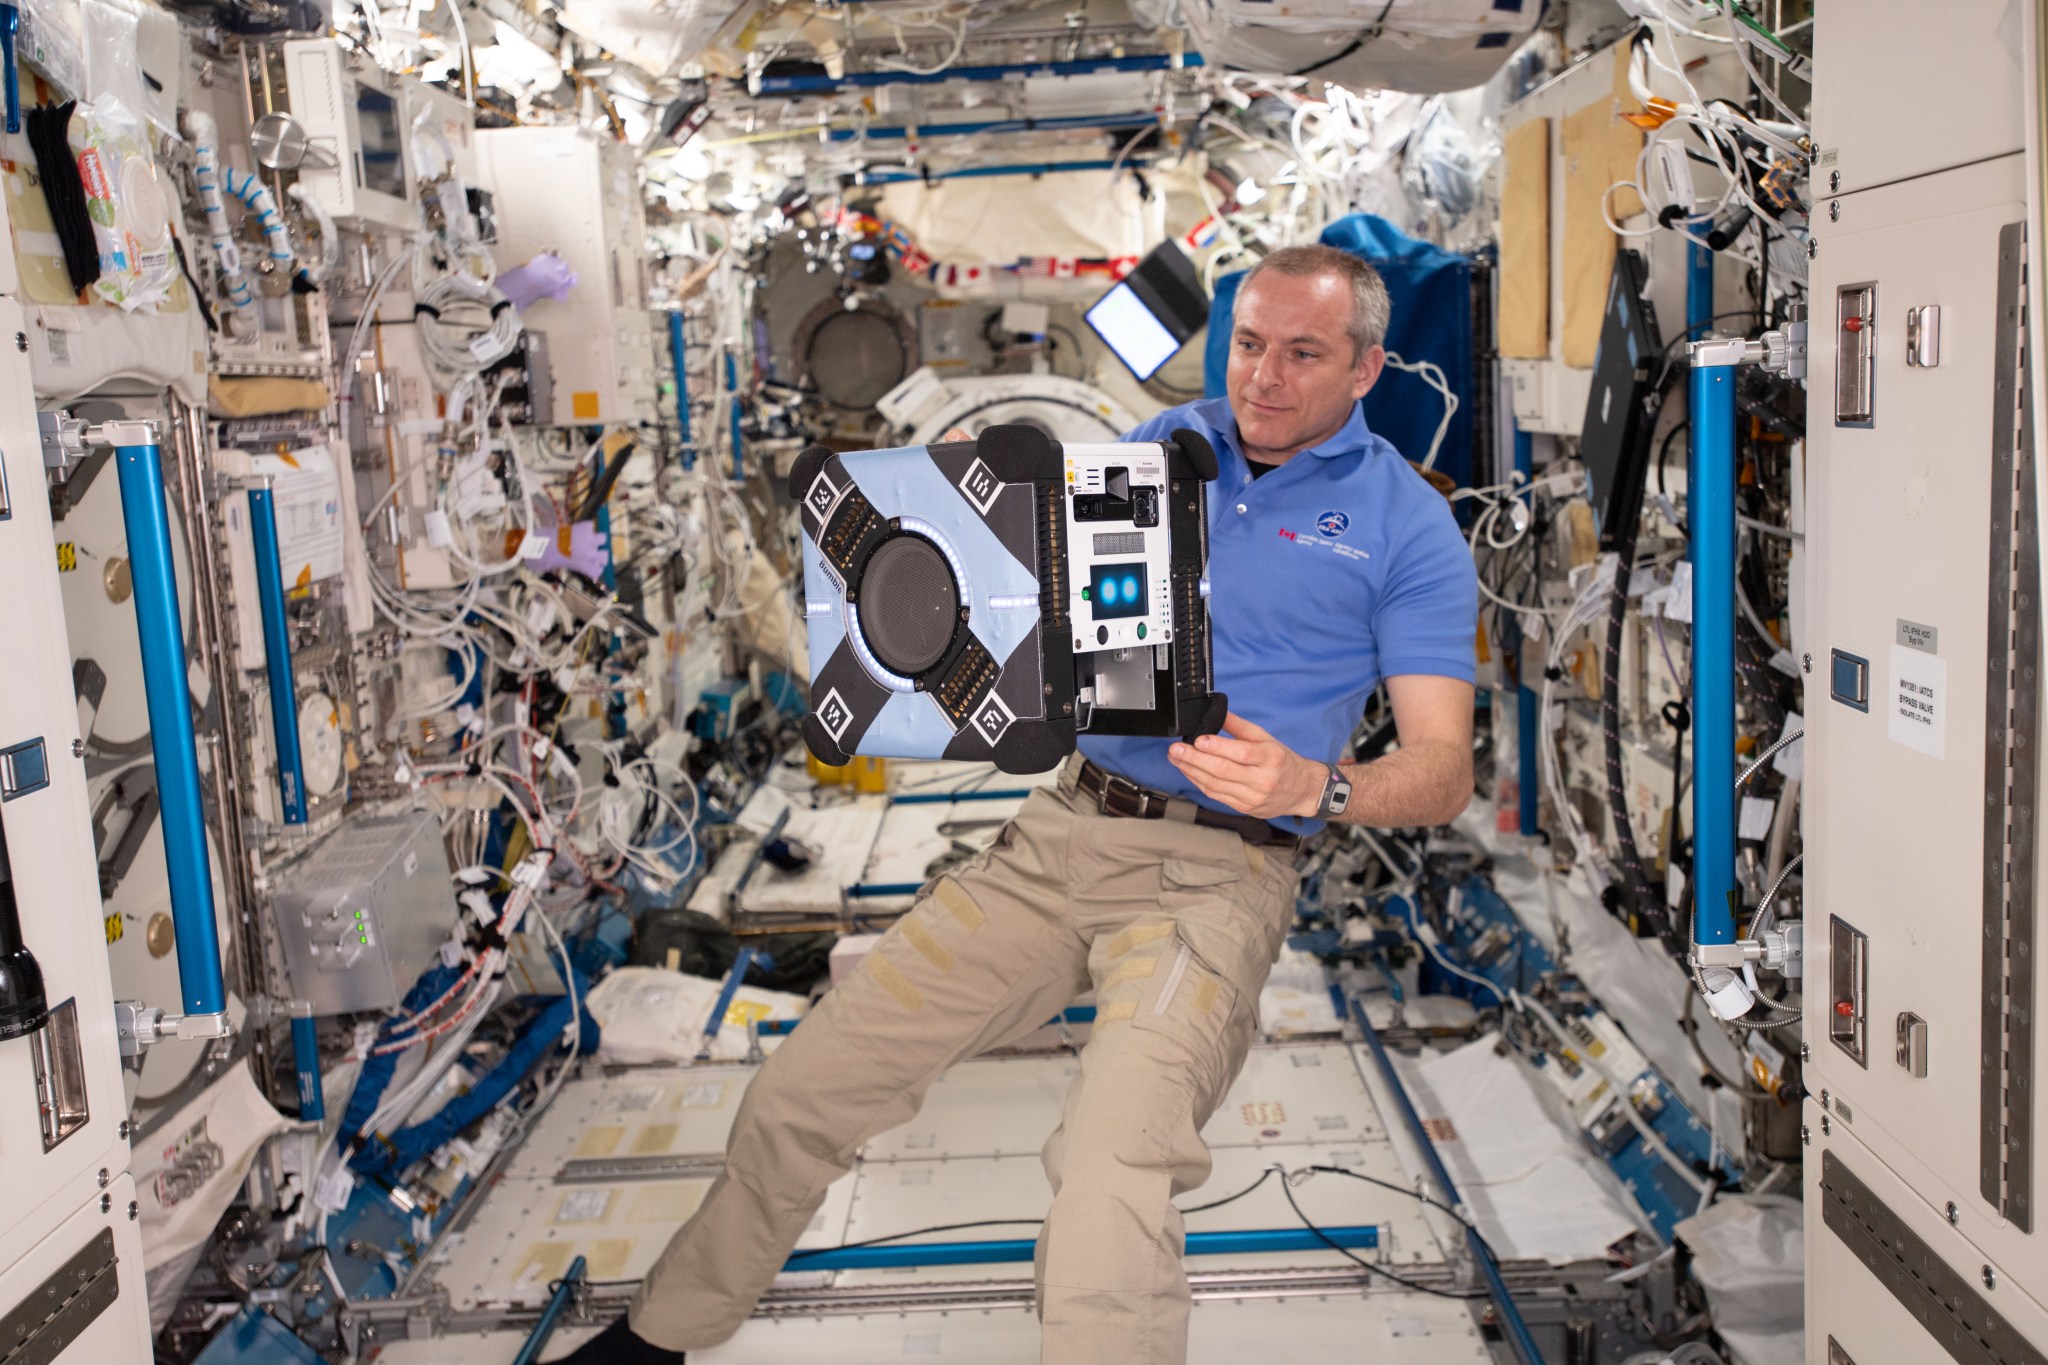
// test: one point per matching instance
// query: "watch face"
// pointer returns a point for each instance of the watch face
(1337, 794)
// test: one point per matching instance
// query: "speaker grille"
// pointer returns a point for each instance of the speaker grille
(909, 604)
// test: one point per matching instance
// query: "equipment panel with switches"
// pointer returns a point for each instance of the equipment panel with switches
(1122, 590)
(363, 914)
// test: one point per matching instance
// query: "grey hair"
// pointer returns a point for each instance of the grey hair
(1371, 309)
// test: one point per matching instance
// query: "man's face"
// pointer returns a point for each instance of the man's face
(1293, 376)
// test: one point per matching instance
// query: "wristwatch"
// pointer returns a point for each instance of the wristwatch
(1336, 792)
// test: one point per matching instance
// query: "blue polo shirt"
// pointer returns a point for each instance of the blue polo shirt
(1331, 572)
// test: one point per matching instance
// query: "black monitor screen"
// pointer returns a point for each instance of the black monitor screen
(1156, 308)
(1133, 331)
(1615, 439)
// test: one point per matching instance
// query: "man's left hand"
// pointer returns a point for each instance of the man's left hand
(1250, 771)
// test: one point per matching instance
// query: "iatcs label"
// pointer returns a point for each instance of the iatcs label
(1917, 706)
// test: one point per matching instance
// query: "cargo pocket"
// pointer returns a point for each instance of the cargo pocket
(1212, 902)
(1190, 1005)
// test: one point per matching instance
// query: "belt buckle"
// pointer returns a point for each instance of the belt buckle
(1121, 796)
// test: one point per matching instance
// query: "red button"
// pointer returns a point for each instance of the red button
(1852, 324)
(1844, 1008)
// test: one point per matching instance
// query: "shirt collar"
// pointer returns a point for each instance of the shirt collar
(1351, 438)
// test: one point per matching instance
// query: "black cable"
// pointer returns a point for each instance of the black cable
(601, 488)
(1640, 899)
(198, 294)
(1691, 1029)
(1416, 1195)
(1679, 717)
(1763, 278)
(1663, 454)
(1364, 1264)
(1767, 686)
(1264, 1176)
(1233, 1198)
(1080, 357)
(1671, 362)
(1372, 33)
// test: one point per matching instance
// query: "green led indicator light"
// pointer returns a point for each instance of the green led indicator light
(1084, 595)
(1141, 630)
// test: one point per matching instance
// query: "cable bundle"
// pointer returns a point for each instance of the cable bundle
(452, 334)
(49, 135)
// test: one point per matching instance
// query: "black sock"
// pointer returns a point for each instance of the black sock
(616, 1345)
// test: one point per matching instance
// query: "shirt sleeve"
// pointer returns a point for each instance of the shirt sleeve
(1428, 616)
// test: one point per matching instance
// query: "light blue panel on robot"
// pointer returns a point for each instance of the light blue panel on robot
(904, 483)
(824, 608)
(911, 725)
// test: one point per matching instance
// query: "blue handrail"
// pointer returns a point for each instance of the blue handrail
(1516, 1330)
(277, 655)
(160, 632)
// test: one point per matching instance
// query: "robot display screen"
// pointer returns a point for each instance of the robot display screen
(1133, 331)
(1117, 590)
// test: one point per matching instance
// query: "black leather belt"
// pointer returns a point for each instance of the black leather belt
(1114, 795)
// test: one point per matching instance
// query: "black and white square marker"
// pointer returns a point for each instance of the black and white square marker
(822, 495)
(993, 718)
(834, 714)
(981, 486)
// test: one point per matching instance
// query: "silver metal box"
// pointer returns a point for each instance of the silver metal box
(362, 915)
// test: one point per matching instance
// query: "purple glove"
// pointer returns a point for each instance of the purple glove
(546, 276)
(588, 552)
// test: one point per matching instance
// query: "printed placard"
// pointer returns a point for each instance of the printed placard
(584, 1206)
(1916, 708)
(1926, 639)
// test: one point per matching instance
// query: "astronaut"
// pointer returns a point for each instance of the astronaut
(1158, 873)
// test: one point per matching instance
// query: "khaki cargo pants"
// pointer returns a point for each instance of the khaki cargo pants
(1174, 925)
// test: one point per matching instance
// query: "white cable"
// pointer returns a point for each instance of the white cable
(911, 68)
(468, 66)
(1741, 44)
(397, 1109)
(1428, 940)
(1705, 1186)
(1481, 529)
(347, 361)
(573, 1035)
(1590, 605)
(1431, 374)
(452, 334)
(330, 236)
